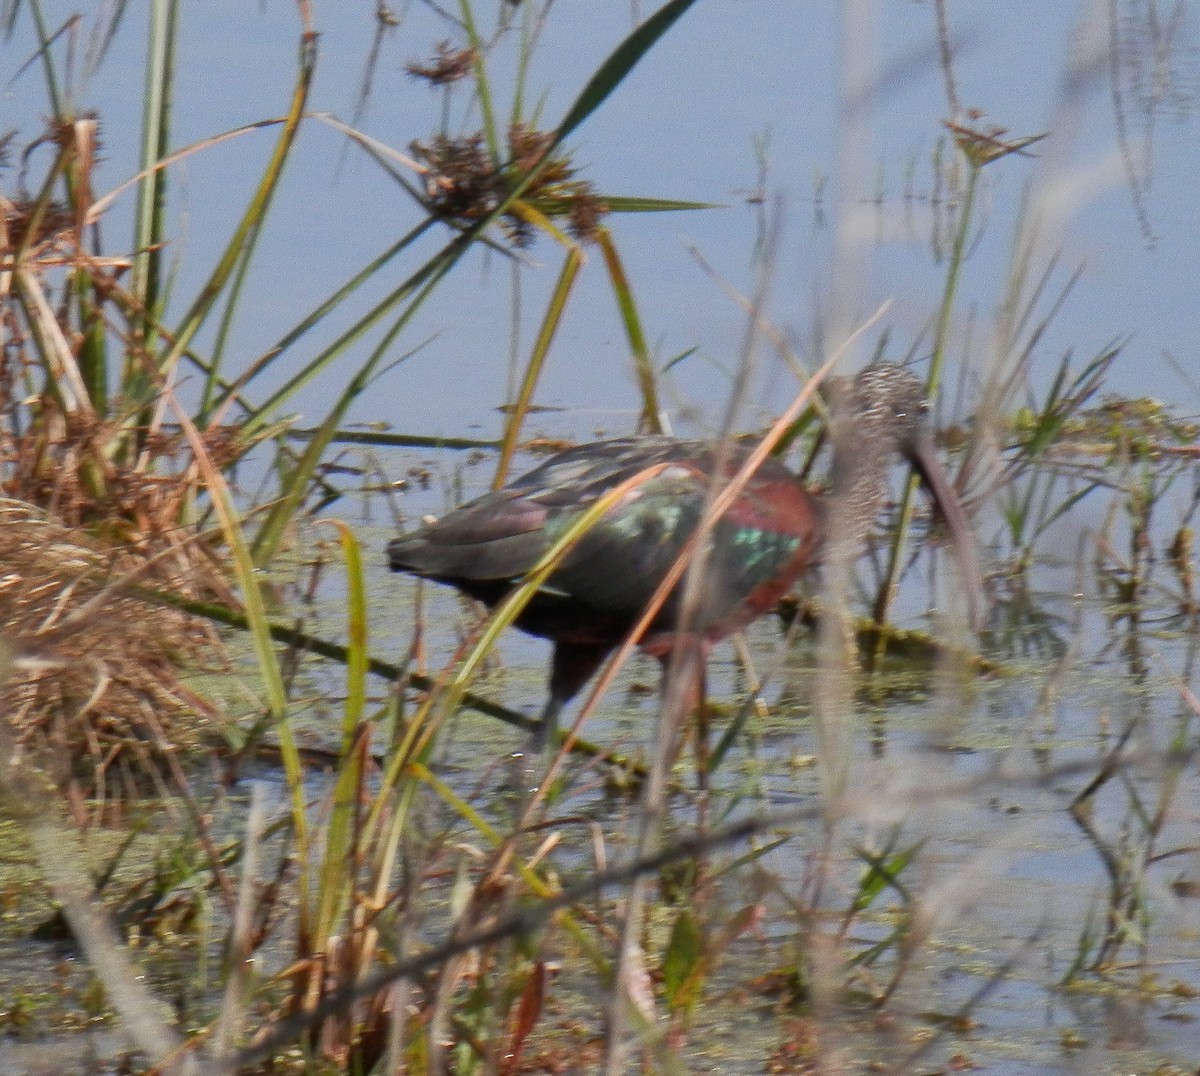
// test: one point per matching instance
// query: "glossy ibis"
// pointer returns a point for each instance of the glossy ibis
(774, 530)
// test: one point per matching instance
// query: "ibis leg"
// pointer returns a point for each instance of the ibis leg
(572, 666)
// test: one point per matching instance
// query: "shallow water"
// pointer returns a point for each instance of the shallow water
(1004, 896)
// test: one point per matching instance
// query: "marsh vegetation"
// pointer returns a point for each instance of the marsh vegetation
(263, 803)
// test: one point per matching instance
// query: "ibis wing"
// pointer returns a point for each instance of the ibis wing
(618, 564)
(499, 536)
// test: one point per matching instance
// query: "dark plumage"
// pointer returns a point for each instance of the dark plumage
(774, 530)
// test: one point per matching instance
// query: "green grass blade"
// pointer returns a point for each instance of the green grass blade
(45, 40)
(620, 203)
(149, 215)
(529, 35)
(93, 349)
(651, 420)
(259, 626)
(253, 216)
(338, 877)
(89, 300)
(483, 87)
(883, 871)
(537, 360)
(394, 440)
(357, 634)
(623, 59)
(234, 293)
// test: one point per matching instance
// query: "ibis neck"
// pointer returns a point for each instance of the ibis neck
(857, 494)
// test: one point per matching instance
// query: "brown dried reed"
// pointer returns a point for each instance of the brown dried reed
(95, 694)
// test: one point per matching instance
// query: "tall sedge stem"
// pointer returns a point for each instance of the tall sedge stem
(887, 590)
(149, 222)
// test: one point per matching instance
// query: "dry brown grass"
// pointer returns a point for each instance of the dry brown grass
(95, 695)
